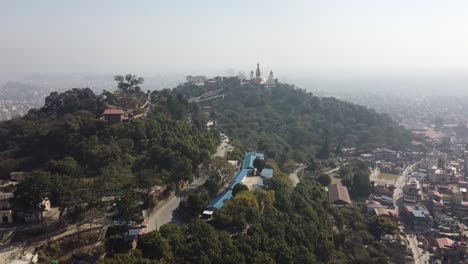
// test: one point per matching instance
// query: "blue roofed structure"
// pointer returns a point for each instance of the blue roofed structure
(247, 169)
(249, 159)
(219, 201)
(239, 178)
(267, 173)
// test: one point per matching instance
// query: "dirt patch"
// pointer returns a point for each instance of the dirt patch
(250, 181)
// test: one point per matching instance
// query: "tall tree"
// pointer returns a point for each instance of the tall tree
(129, 83)
(31, 192)
(155, 246)
(324, 179)
(324, 152)
(259, 164)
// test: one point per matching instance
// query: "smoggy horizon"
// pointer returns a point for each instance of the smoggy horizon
(294, 38)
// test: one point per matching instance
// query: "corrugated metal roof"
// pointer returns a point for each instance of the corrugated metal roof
(239, 178)
(267, 173)
(249, 159)
(338, 192)
(219, 201)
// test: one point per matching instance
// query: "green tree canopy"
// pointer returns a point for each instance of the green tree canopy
(324, 180)
(129, 83)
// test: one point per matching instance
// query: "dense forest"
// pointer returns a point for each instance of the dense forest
(75, 156)
(287, 122)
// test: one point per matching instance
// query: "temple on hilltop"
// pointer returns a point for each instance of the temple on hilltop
(258, 79)
(255, 78)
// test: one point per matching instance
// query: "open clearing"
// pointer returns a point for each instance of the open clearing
(387, 177)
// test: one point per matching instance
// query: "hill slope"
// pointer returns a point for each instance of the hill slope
(286, 122)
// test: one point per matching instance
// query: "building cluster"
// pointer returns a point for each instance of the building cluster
(115, 114)
(429, 196)
(391, 161)
(247, 171)
(9, 213)
(431, 199)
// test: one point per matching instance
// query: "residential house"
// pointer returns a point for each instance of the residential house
(437, 176)
(421, 176)
(450, 251)
(390, 213)
(371, 205)
(383, 189)
(446, 222)
(418, 217)
(412, 191)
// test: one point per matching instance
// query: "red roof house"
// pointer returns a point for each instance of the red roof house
(113, 116)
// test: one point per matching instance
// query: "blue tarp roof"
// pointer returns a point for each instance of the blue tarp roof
(219, 201)
(240, 176)
(249, 159)
(267, 173)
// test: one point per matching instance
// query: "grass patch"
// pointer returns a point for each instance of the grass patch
(387, 177)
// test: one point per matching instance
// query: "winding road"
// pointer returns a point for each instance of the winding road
(166, 214)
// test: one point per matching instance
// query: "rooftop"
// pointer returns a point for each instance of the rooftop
(444, 242)
(239, 178)
(338, 192)
(417, 211)
(267, 173)
(249, 159)
(114, 112)
(136, 231)
(219, 201)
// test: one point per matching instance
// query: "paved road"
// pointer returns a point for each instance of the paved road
(400, 183)
(293, 175)
(332, 170)
(418, 255)
(166, 213)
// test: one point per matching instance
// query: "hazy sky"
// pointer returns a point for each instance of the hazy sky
(145, 37)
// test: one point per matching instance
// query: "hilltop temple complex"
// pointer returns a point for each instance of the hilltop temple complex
(255, 78)
(258, 79)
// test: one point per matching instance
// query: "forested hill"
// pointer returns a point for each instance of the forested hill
(66, 143)
(286, 122)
